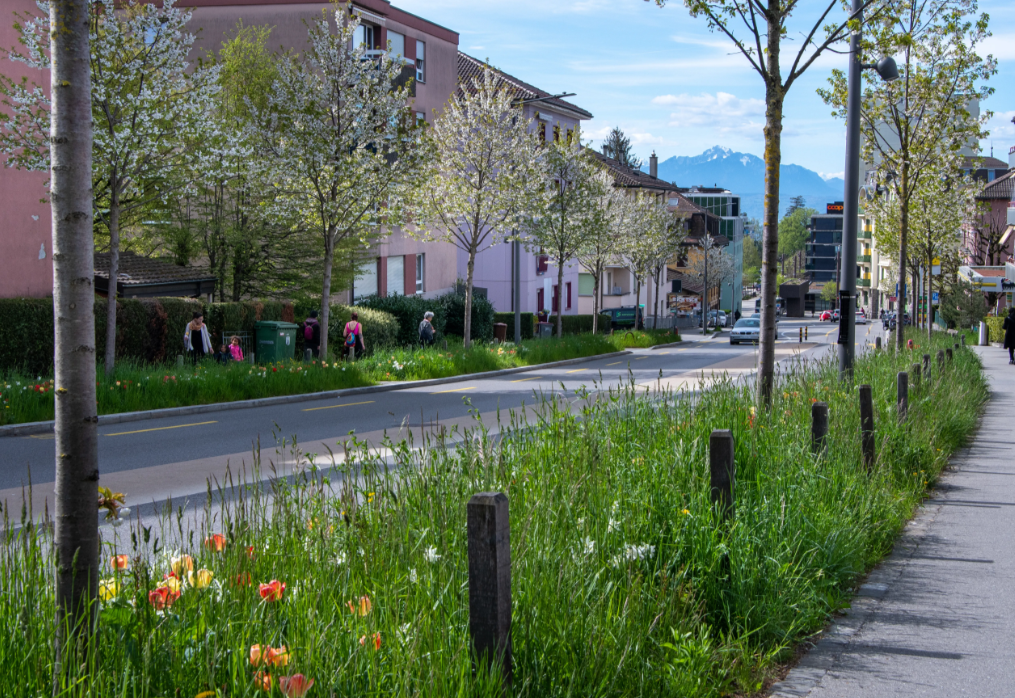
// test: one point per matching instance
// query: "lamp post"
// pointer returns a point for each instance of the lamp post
(888, 71)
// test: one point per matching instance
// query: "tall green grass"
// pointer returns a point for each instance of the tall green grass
(624, 582)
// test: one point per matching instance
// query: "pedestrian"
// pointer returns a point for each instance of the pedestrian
(223, 356)
(426, 331)
(1009, 334)
(736, 316)
(353, 334)
(235, 350)
(196, 339)
(311, 337)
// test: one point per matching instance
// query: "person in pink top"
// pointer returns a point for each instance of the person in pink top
(353, 334)
(234, 349)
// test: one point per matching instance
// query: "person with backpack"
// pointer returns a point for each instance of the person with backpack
(311, 337)
(426, 331)
(353, 334)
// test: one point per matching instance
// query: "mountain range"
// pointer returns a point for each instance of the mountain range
(744, 174)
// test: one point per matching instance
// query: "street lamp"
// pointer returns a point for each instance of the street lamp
(888, 71)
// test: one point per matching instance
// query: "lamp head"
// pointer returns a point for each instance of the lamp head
(887, 69)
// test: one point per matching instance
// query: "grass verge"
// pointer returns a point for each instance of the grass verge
(624, 583)
(136, 387)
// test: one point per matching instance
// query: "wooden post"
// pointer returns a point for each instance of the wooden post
(819, 426)
(903, 406)
(963, 339)
(940, 360)
(877, 343)
(489, 536)
(915, 371)
(723, 470)
(867, 425)
(445, 344)
(948, 354)
(926, 367)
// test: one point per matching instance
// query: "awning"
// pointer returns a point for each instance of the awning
(1007, 234)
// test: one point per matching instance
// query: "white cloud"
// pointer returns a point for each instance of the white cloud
(1000, 45)
(1000, 125)
(721, 112)
(831, 175)
(476, 48)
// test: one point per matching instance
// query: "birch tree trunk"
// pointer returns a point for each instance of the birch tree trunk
(595, 303)
(774, 96)
(329, 260)
(114, 273)
(468, 297)
(76, 534)
(560, 297)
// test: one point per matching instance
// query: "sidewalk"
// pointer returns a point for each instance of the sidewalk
(937, 618)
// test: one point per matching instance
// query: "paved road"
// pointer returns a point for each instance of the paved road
(936, 618)
(174, 457)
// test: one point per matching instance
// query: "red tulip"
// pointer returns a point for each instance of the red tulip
(162, 598)
(374, 639)
(295, 686)
(360, 607)
(243, 579)
(119, 562)
(215, 543)
(263, 680)
(272, 591)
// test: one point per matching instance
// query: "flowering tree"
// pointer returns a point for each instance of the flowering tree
(567, 213)
(148, 105)
(336, 138)
(478, 178)
(915, 128)
(711, 266)
(650, 238)
(604, 237)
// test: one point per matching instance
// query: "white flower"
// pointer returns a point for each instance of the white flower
(633, 553)
(431, 554)
(413, 577)
(590, 546)
(581, 522)
(339, 559)
(612, 526)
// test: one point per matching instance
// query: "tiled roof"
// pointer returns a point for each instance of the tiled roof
(624, 176)
(989, 271)
(984, 162)
(141, 271)
(470, 68)
(1000, 188)
(687, 284)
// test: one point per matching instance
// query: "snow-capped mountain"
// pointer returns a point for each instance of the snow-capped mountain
(744, 174)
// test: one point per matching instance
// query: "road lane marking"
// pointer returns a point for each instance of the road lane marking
(615, 363)
(577, 370)
(684, 349)
(522, 380)
(331, 407)
(455, 390)
(662, 353)
(44, 437)
(178, 426)
(639, 358)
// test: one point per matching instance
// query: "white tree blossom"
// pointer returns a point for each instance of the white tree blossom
(336, 138)
(604, 239)
(652, 237)
(711, 266)
(478, 178)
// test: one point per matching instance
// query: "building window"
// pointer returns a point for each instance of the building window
(556, 133)
(540, 129)
(396, 277)
(586, 284)
(365, 282)
(420, 61)
(419, 273)
(396, 42)
(570, 135)
(421, 118)
(366, 35)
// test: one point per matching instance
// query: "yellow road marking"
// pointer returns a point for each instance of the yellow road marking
(662, 353)
(331, 407)
(178, 426)
(455, 390)
(522, 380)
(45, 437)
(577, 370)
(684, 349)
(640, 358)
(615, 363)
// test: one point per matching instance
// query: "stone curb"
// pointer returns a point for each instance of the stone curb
(665, 346)
(47, 427)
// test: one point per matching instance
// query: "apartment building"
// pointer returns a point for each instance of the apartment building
(726, 205)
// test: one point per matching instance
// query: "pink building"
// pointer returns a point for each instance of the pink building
(991, 240)
(26, 261)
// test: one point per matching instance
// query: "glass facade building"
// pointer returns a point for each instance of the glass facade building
(726, 205)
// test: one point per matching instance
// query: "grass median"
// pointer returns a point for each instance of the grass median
(624, 581)
(135, 387)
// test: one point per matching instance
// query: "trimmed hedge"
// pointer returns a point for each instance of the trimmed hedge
(581, 324)
(995, 328)
(408, 313)
(528, 324)
(452, 306)
(380, 329)
(151, 329)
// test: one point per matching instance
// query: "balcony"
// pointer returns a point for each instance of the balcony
(863, 234)
(863, 259)
(863, 283)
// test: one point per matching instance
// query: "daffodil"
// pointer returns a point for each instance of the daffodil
(200, 580)
(108, 588)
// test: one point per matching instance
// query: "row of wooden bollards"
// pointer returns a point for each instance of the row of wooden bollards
(489, 531)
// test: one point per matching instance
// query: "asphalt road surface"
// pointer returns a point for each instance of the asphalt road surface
(171, 458)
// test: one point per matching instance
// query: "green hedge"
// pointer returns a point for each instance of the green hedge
(452, 306)
(581, 324)
(380, 329)
(408, 313)
(995, 328)
(528, 324)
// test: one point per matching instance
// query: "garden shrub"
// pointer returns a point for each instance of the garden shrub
(995, 326)
(452, 307)
(380, 329)
(28, 328)
(408, 313)
(528, 323)
(581, 324)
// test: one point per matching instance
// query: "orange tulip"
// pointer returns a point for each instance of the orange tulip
(360, 607)
(243, 579)
(295, 686)
(269, 656)
(272, 591)
(119, 562)
(263, 680)
(181, 565)
(374, 639)
(215, 543)
(162, 598)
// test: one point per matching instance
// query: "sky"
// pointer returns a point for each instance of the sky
(673, 86)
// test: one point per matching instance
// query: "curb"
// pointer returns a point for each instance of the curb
(664, 346)
(30, 428)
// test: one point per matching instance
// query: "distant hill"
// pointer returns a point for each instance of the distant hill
(744, 174)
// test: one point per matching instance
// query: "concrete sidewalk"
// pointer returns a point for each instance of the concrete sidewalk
(937, 618)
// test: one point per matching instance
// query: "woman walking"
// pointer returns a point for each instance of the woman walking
(1009, 335)
(196, 339)
(353, 334)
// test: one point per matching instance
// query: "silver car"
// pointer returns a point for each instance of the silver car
(747, 329)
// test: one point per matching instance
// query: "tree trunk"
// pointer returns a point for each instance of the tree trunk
(655, 325)
(329, 260)
(595, 301)
(637, 299)
(76, 533)
(560, 296)
(930, 291)
(774, 96)
(468, 297)
(114, 272)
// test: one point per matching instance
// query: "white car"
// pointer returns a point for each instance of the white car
(861, 319)
(747, 329)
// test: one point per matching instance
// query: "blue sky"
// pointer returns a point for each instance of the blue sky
(670, 84)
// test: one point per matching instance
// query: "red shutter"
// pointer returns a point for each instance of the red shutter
(556, 298)
(382, 276)
(568, 295)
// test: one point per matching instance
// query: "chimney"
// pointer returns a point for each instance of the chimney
(653, 165)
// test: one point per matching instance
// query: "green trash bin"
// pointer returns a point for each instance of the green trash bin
(274, 340)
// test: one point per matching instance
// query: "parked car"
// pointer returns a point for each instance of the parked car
(826, 316)
(716, 318)
(747, 329)
(624, 318)
(861, 319)
(836, 315)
